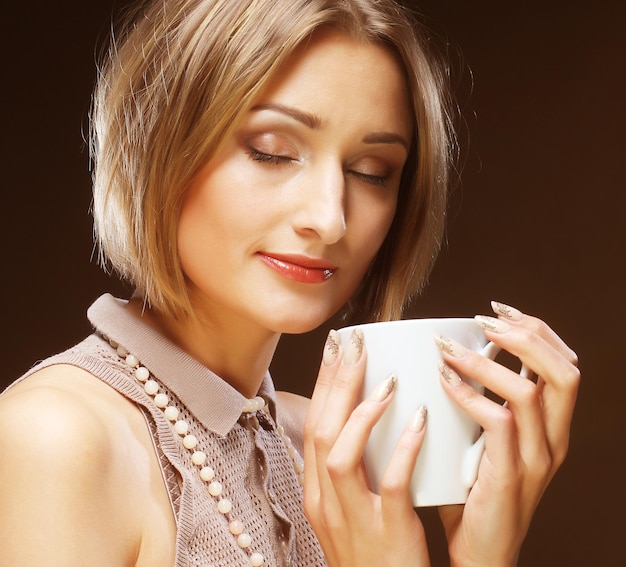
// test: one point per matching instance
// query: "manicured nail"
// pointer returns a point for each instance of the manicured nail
(384, 389)
(450, 346)
(354, 348)
(331, 348)
(419, 419)
(492, 324)
(450, 376)
(506, 311)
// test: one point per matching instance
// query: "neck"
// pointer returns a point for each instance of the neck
(234, 350)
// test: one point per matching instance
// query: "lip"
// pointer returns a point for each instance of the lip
(298, 267)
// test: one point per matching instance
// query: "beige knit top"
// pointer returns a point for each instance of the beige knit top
(248, 456)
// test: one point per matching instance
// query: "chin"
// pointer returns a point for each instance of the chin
(301, 322)
(299, 327)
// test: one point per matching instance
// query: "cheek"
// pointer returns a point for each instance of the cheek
(189, 237)
(223, 210)
(372, 228)
(201, 224)
(193, 216)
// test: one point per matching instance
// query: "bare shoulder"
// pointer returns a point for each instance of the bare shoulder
(54, 412)
(66, 473)
(291, 412)
(60, 411)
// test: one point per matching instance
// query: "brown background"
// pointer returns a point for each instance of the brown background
(537, 222)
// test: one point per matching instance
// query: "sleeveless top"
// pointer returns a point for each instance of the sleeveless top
(248, 455)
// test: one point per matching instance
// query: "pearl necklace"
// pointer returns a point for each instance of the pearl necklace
(198, 457)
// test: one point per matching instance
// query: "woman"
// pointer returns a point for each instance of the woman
(259, 166)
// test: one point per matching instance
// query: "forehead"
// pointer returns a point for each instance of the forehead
(334, 75)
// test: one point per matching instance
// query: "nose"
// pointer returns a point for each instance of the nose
(321, 208)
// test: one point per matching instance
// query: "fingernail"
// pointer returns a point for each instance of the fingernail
(450, 376)
(419, 419)
(331, 348)
(450, 346)
(354, 348)
(384, 389)
(492, 324)
(506, 311)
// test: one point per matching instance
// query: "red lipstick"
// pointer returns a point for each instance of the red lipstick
(303, 269)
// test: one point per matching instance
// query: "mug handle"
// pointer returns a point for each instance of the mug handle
(469, 474)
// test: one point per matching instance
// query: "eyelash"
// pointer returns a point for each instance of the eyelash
(376, 180)
(256, 155)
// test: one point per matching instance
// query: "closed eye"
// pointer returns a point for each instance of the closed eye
(376, 180)
(256, 155)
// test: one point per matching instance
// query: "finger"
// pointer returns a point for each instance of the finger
(533, 350)
(334, 400)
(341, 394)
(516, 317)
(559, 376)
(396, 481)
(522, 396)
(331, 359)
(498, 422)
(345, 461)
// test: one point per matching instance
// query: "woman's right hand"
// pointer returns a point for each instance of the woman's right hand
(354, 525)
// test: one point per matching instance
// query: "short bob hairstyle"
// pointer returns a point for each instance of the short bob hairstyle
(180, 76)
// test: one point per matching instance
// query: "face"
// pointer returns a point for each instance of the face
(279, 228)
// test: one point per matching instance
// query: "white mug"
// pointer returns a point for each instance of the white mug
(447, 465)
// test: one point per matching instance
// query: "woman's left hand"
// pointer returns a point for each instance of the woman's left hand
(526, 440)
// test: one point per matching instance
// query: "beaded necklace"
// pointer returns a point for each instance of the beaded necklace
(198, 457)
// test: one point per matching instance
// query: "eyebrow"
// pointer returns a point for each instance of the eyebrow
(314, 122)
(385, 138)
(310, 120)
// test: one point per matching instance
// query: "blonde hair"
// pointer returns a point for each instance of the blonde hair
(176, 81)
